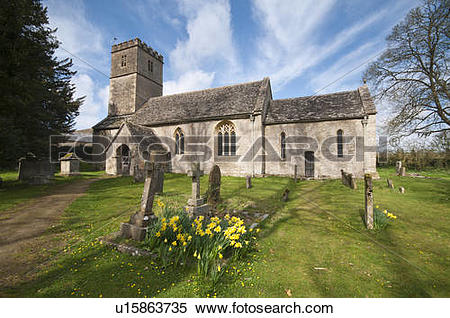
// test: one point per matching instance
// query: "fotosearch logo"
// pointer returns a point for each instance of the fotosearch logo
(220, 149)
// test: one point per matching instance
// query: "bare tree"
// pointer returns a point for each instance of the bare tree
(412, 74)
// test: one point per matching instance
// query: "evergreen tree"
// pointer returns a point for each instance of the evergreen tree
(36, 95)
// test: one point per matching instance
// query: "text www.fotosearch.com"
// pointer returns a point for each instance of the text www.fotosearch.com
(234, 308)
(245, 308)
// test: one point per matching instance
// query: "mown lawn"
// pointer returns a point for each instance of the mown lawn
(314, 245)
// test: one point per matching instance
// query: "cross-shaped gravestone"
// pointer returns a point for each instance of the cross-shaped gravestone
(196, 204)
(195, 173)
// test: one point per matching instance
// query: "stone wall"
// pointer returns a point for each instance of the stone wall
(324, 167)
(248, 131)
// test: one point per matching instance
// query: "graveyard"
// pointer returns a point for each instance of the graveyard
(313, 243)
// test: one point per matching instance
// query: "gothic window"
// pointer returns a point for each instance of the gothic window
(124, 60)
(283, 145)
(179, 142)
(150, 66)
(226, 139)
(340, 144)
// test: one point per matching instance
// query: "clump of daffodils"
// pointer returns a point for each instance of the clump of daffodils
(209, 242)
(389, 214)
(382, 217)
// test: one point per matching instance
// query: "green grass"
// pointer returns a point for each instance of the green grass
(315, 244)
(14, 192)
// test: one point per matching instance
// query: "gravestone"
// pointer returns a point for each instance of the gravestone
(398, 167)
(156, 169)
(35, 171)
(295, 173)
(285, 195)
(368, 211)
(401, 189)
(196, 204)
(390, 184)
(403, 172)
(348, 180)
(214, 185)
(248, 182)
(136, 228)
(138, 174)
(70, 165)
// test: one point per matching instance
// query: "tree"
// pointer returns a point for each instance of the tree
(412, 74)
(36, 95)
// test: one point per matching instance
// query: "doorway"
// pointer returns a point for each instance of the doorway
(123, 152)
(309, 164)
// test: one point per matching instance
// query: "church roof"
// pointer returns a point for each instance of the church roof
(112, 122)
(207, 104)
(335, 106)
(244, 99)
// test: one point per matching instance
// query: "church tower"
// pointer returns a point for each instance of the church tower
(136, 75)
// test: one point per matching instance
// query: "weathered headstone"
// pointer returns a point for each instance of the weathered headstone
(352, 181)
(368, 211)
(401, 189)
(285, 195)
(348, 180)
(35, 171)
(403, 172)
(70, 165)
(248, 182)
(136, 228)
(398, 167)
(138, 174)
(196, 204)
(390, 184)
(156, 169)
(214, 185)
(295, 173)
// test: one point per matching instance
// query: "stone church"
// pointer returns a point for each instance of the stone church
(239, 127)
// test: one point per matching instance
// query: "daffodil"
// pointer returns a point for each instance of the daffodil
(220, 256)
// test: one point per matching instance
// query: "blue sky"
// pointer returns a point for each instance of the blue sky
(303, 46)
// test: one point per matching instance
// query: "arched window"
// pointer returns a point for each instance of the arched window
(179, 142)
(283, 145)
(226, 139)
(340, 144)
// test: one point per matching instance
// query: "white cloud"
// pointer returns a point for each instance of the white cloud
(208, 49)
(290, 44)
(95, 100)
(345, 71)
(76, 33)
(189, 81)
(84, 40)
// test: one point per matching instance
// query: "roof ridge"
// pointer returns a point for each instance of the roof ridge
(205, 89)
(335, 93)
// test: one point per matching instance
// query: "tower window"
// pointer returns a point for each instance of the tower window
(340, 144)
(150, 66)
(124, 60)
(226, 139)
(283, 145)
